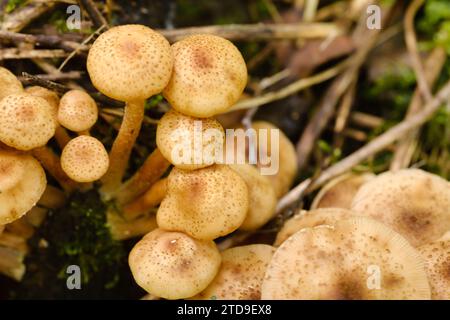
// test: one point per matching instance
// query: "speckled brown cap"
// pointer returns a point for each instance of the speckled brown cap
(26, 121)
(241, 274)
(437, 264)
(206, 203)
(357, 259)
(339, 192)
(130, 62)
(77, 111)
(413, 202)
(173, 265)
(48, 95)
(262, 197)
(22, 183)
(177, 133)
(208, 78)
(84, 159)
(310, 219)
(9, 84)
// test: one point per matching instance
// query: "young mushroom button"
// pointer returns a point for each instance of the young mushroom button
(173, 265)
(208, 78)
(77, 111)
(129, 63)
(84, 159)
(9, 84)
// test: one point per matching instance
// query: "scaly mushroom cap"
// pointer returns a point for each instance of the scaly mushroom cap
(357, 259)
(173, 265)
(130, 62)
(339, 192)
(209, 76)
(413, 202)
(9, 84)
(178, 133)
(26, 121)
(22, 184)
(84, 159)
(240, 275)
(77, 111)
(287, 171)
(262, 197)
(206, 204)
(48, 95)
(311, 219)
(437, 264)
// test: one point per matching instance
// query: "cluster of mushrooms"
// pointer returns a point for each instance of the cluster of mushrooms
(364, 237)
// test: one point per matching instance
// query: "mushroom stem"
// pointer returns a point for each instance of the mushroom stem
(122, 229)
(53, 198)
(148, 200)
(50, 161)
(61, 137)
(121, 149)
(11, 263)
(153, 168)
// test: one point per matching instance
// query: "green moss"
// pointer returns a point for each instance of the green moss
(13, 5)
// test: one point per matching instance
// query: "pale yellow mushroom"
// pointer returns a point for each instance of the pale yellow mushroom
(77, 111)
(173, 265)
(9, 84)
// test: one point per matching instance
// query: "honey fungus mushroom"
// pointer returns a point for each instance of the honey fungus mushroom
(22, 183)
(356, 259)
(129, 63)
(173, 265)
(189, 143)
(413, 202)
(9, 84)
(206, 203)
(437, 264)
(241, 274)
(209, 76)
(77, 111)
(262, 197)
(309, 219)
(26, 121)
(339, 192)
(84, 159)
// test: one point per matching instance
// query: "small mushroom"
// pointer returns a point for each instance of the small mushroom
(209, 76)
(206, 203)
(356, 259)
(77, 111)
(189, 143)
(84, 159)
(437, 264)
(240, 275)
(262, 197)
(9, 84)
(22, 183)
(129, 63)
(311, 219)
(413, 202)
(339, 192)
(287, 162)
(26, 121)
(173, 265)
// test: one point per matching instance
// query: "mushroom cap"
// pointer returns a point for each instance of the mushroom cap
(240, 275)
(262, 197)
(84, 159)
(357, 259)
(9, 84)
(177, 133)
(49, 96)
(287, 165)
(130, 62)
(77, 111)
(437, 264)
(206, 204)
(173, 265)
(26, 121)
(311, 219)
(29, 181)
(209, 76)
(339, 192)
(413, 202)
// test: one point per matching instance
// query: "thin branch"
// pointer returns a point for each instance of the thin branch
(15, 53)
(93, 12)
